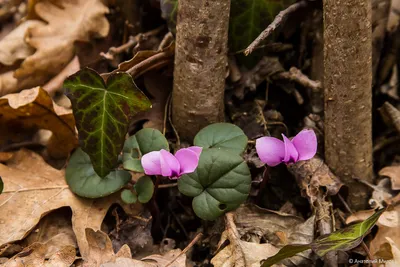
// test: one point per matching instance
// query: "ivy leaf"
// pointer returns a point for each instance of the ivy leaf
(222, 135)
(84, 181)
(220, 183)
(248, 19)
(128, 196)
(346, 238)
(102, 113)
(343, 239)
(143, 142)
(144, 187)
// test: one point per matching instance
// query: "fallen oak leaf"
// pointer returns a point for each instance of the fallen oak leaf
(13, 45)
(54, 42)
(34, 189)
(34, 109)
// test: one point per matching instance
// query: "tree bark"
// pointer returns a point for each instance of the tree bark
(200, 65)
(348, 94)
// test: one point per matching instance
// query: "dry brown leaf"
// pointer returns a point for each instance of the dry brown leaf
(53, 224)
(393, 172)
(279, 229)
(33, 188)
(51, 253)
(55, 84)
(8, 83)
(13, 46)
(253, 254)
(34, 109)
(388, 227)
(68, 21)
(101, 254)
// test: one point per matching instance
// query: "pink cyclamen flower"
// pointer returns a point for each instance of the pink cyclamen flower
(273, 151)
(164, 163)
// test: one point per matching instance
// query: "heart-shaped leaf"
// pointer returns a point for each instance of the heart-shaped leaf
(84, 181)
(102, 113)
(222, 135)
(143, 142)
(128, 196)
(144, 188)
(220, 183)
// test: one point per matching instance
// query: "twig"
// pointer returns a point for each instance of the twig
(295, 75)
(166, 108)
(133, 40)
(369, 255)
(164, 57)
(167, 185)
(178, 140)
(168, 38)
(281, 17)
(191, 244)
(234, 238)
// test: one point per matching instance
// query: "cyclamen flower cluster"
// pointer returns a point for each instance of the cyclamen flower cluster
(271, 151)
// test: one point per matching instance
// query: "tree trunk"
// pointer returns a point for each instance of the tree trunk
(200, 65)
(348, 94)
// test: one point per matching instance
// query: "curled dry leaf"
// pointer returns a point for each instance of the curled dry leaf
(144, 61)
(54, 42)
(34, 189)
(13, 45)
(388, 227)
(313, 174)
(50, 253)
(34, 109)
(393, 172)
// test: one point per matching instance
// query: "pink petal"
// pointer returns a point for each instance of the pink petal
(305, 143)
(169, 164)
(188, 159)
(291, 154)
(196, 149)
(270, 150)
(151, 163)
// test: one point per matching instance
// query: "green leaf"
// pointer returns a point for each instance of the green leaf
(84, 181)
(220, 183)
(1, 185)
(343, 239)
(286, 252)
(346, 238)
(144, 188)
(128, 196)
(143, 142)
(102, 113)
(222, 135)
(248, 19)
